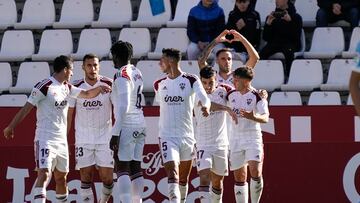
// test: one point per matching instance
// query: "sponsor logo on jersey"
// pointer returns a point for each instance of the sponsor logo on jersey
(173, 99)
(88, 103)
(221, 95)
(60, 104)
(182, 86)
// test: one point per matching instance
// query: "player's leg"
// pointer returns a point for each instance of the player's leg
(238, 165)
(204, 163)
(171, 158)
(61, 186)
(184, 173)
(255, 167)
(219, 170)
(105, 162)
(86, 176)
(136, 174)
(39, 191)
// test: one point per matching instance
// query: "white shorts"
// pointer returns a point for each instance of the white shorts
(93, 154)
(176, 149)
(51, 156)
(131, 144)
(248, 152)
(215, 159)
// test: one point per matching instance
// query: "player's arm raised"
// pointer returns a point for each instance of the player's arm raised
(24, 111)
(206, 53)
(253, 54)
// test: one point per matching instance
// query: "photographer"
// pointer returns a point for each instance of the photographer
(282, 32)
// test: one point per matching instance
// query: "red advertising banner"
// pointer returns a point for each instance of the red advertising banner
(312, 154)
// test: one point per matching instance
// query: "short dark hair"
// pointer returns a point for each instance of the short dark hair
(61, 62)
(122, 50)
(207, 72)
(244, 72)
(89, 56)
(222, 50)
(172, 53)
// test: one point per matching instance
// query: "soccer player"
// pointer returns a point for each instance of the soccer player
(93, 125)
(175, 94)
(50, 96)
(224, 56)
(354, 82)
(211, 138)
(128, 133)
(246, 144)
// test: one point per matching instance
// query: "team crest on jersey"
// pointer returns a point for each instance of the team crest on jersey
(165, 155)
(136, 134)
(42, 161)
(221, 95)
(248, 101)
(182, 86)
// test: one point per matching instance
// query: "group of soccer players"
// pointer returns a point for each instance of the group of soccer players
(228, 112)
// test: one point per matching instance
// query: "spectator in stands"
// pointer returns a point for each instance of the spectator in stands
(246, 21)
(331, 11)
(282, 32)
(205, 22)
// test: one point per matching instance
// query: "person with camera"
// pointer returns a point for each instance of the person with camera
(282, 32)
(244, 19)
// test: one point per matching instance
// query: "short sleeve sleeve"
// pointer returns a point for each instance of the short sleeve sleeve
(36, 96)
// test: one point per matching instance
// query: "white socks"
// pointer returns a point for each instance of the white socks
(204, 194)
(183, 192)
(124, 183)
(216, 195)
(106, 192)
(256, 188)
(61, 198)
(86, 192)
(241, 192)
(39, 195)
(137, 183)
(174, 191)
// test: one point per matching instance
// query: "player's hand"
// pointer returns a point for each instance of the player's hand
(8, 133)
(263, 94)
(105, 89)
(270, 18)
(237, 36)
(286, 17)
(240, 24)
(205, 111)
(233, 115)
(246, 114)
(114, 143)
(222, 37)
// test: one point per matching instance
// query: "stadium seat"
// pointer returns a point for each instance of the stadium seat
(266, 69)
(339, 75)
(13, 100)
(17, 45)
(30, 73)
(150, 70)
(5, 77)
(235, 64)
(107, 69)
(355, 38)
(227, 6)
(113, 14)
(8, 14)
(190, 67)
(147, 19)
(305, 75)
(265, 8)
(307, 9)
(324, 98)
(170, 38)
(78, 72)
(54, 43)
(182, 13)
(321, 47)
(132, 35)
(285, 99)
(37, 14)
(97, 41)
(300, 53)
(75, 14)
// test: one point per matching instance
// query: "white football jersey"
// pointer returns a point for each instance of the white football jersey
(250, 101)
(228, 81)
(51, 99)
(211, 131)
(176, 99)
(128, 85)
(93, 120)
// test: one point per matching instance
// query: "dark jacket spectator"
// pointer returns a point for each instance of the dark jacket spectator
(282, 32)
(331, 11)
(246, 22)
(206, 21)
